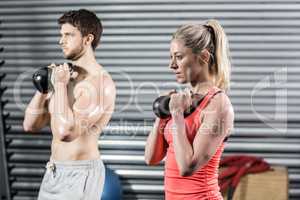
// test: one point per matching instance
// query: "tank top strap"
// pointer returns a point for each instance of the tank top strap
(211, 93)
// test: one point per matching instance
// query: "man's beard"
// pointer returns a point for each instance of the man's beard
(75, 54)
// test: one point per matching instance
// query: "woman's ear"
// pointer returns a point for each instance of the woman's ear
(205, 56)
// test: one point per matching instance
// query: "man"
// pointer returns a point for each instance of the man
(77, 109)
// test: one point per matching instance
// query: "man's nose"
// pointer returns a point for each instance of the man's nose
(61, 41)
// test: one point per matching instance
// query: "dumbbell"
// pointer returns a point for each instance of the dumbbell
(42, 78)
(161, 106)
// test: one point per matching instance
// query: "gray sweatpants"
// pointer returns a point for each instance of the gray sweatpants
(73, 180)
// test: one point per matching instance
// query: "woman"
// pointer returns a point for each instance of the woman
(193, 145)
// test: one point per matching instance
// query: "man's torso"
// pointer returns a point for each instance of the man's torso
(85, 146)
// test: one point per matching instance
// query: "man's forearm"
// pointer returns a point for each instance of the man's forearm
(37, 104)
(35, 111)
(63, 115)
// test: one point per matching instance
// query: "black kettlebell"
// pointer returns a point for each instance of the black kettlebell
(42, 78)
(161, 106)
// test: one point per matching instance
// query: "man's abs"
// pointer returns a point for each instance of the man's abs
(82, 148)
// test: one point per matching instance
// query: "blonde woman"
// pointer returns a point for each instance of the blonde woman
(194, 144)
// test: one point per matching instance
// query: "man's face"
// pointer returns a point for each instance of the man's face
(71, 42)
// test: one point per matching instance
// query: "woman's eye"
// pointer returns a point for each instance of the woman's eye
(179, 57)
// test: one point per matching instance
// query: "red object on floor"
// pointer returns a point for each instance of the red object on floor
(236, 167)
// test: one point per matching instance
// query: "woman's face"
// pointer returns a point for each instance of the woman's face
(184, 63)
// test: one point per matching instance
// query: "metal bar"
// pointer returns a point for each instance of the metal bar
(4, 180)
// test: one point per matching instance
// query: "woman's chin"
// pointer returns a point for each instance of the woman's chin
(181, 80)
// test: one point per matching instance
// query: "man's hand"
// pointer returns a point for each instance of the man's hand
(61, 74)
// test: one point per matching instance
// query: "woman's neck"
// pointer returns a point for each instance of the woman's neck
(202, 87)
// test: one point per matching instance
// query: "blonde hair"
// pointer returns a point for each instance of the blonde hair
(212, 37)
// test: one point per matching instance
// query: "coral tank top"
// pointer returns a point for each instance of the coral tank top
(203, 184)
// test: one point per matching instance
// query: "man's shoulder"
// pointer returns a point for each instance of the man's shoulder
(101, 79)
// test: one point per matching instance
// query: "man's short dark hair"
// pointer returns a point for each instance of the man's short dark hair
(86, 21)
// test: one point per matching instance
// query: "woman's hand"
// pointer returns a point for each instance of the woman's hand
(180, 102)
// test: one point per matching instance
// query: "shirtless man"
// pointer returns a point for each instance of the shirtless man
(77, 109)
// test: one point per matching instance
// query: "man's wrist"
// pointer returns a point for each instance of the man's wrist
(41, 95)
(60, 84)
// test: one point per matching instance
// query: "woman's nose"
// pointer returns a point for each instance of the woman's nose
(173, 64)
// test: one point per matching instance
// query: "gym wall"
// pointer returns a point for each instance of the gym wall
(264, 38)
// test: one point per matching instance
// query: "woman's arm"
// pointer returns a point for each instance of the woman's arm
(216, 124)
(156, 146)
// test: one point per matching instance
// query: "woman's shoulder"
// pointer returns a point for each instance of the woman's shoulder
(220, 102)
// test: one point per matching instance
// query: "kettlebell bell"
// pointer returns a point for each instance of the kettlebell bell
(161, 107)
(42, 78)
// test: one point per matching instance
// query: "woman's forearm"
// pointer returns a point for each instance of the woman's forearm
(182, 147)
(155, 147)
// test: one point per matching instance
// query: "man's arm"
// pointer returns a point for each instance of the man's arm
(93, 98)
(36, 113)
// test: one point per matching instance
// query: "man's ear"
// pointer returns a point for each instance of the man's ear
(204, 56)
(89, 39)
